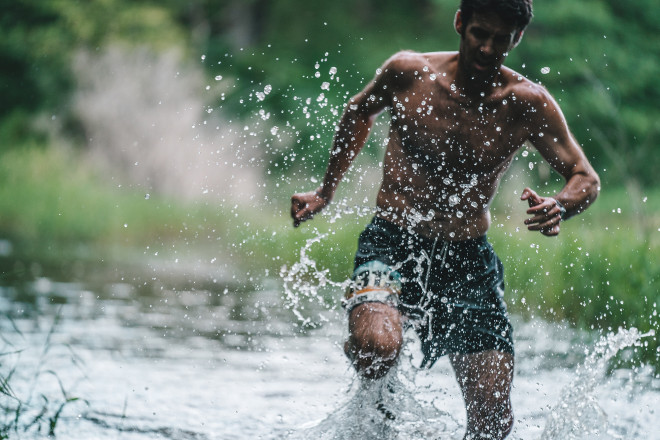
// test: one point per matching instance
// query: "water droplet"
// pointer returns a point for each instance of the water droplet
(525, 153)
(545, 70)
(218, 78)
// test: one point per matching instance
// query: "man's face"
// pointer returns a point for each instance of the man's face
(485, 41)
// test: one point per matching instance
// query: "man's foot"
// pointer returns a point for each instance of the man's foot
(386, 412)
(383, 407)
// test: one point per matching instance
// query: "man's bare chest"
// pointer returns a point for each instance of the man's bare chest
(476, 138)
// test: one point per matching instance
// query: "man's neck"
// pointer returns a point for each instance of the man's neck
(475, 88)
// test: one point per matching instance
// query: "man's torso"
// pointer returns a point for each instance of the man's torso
(447, 153)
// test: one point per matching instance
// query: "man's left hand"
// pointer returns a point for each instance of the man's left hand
(545, 213)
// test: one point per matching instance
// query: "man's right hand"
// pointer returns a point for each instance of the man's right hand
(305, 205)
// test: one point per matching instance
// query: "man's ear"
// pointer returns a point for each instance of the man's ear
(458, 22)
(517, 38)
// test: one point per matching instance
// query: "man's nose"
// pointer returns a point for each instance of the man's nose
(486, 47)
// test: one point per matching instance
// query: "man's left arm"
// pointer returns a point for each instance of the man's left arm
(554, 141)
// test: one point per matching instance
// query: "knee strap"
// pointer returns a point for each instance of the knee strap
(373, 282)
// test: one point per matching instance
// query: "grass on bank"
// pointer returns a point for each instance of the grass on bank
(53, 208)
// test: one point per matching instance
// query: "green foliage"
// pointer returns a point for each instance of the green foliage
(41, 38)
(603, 62)
(603, 65)
(597, 275)
(603, 70)
(50, 203)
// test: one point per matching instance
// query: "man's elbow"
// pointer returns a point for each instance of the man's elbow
(594, 185)
(591, 188)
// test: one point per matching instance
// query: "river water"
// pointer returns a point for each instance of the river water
(201, 359)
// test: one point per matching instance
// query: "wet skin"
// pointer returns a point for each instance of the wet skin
(457, 120)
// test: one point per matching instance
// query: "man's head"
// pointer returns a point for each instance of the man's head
(517, 13)
(489, 29)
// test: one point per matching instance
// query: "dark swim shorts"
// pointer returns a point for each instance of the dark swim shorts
(452, 291)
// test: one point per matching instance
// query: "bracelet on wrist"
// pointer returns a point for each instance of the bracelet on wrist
(318, 194)
(562, 210)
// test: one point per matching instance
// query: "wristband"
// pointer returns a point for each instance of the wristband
(562, 210)
(318, 194)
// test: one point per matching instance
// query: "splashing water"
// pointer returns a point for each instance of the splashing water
(303, 281)
(578, 415)
(399, 406)
(387, 409)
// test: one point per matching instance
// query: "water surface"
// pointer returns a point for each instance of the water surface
(206, 359)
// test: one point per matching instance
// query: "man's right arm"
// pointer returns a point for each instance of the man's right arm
(351, 134)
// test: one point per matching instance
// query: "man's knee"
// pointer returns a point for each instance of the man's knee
(375, 338)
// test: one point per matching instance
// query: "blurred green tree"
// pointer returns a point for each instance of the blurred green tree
(600, 58)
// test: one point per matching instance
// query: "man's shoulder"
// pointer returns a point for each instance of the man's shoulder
(523, 89)
(407, 60)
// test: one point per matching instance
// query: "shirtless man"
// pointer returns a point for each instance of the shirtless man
(457, 120)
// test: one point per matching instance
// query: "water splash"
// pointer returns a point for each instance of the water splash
(303, 281)
(578, 414)
(386, 409)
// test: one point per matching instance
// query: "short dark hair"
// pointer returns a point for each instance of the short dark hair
(516, 12)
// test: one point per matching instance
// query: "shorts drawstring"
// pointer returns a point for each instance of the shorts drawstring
(428, 311)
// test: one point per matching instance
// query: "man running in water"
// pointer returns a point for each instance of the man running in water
(456, 121)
